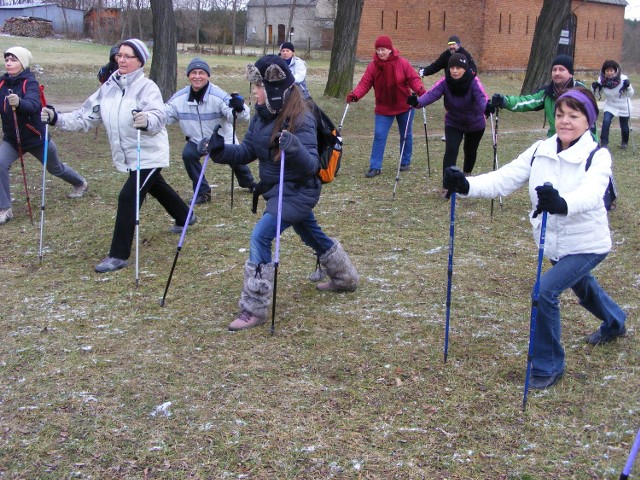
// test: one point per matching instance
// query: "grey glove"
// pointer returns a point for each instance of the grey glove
(14, 99)
(140, 120)
(49, 115)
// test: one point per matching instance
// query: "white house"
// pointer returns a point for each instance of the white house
(311, 25)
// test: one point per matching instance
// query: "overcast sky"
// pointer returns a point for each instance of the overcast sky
(632, 10)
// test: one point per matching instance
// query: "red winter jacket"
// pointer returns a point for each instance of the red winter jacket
(390, 99)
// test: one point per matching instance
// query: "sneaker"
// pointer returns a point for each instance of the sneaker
(244, 321)
(79, 190)
(623, 146)
(6, 214)
(541, 383)
(178, 228)
(203, 198)
(405, 168)
(597, 337)
(110, 264)
(373, 172)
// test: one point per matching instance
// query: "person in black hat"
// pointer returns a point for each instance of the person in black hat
(442, 62)
(561, 81)
(200, 108)
(282, 128)
(297, 66)
(107, 70)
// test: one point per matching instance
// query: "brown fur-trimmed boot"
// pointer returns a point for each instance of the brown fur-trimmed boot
(343, 276)
(256, 296)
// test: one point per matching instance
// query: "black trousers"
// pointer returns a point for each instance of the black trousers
(151, 182)
(453, 138)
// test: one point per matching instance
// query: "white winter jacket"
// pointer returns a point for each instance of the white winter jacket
(585, 227)
(112, 106)
(615, 102)
(198, 120)
(298, 69)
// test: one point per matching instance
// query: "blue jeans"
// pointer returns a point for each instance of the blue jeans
(607, 118)
(264, 233)
(382, 125)
(572, 271)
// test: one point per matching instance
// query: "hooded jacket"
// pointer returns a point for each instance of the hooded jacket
(585, 227)
(617, 102)
(199, 120)
(30, 126)
(301, 185)
(406, 80)
(442, 62)
(112, 106)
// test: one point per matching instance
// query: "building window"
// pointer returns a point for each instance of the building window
(595, 26)
(588, 28)
(444, 21)
(607, 35)
(382, 20)
(526, 28)
(500, 23)
(429, 20)
(509, 24)
(396, 19)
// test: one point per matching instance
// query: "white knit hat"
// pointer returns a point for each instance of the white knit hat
(139, 48)
(22, 54)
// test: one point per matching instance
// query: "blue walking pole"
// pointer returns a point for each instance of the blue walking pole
(452, 224)
(534, 305)
(277, 255)
(624, 475)
(184, 229)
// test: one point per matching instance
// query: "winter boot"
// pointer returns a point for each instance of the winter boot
(318, 274)
(256, 296)
(343, 276)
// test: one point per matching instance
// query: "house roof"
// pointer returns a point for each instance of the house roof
(622, 3)
(281, 3)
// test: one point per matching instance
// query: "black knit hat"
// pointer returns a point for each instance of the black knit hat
(459, 60)
(198, 63)
(287, 45)
(272, 72)
(565, 60)
(454, 39)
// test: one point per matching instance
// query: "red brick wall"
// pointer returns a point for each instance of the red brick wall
(498, 33)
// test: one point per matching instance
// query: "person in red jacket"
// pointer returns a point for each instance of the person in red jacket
(393, 79)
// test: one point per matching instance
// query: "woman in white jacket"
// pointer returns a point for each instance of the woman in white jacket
(617, 91)
(125, 103)
(577, 233)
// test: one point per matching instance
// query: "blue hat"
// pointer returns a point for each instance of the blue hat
(198, 63)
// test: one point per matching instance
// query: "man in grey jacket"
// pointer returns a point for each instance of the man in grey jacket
(199, 108)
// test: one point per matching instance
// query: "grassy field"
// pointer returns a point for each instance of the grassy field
(99, 381)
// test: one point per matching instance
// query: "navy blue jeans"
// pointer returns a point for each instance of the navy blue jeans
(264, 233)
(607, 118)
(382, 125)
(572, 271)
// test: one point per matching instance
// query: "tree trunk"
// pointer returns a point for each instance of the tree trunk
(165, 57)
(343, 52)
(266, 30)
(552, 17)
(292, 9)
(234, 11)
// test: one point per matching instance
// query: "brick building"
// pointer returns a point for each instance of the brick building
(498, 33)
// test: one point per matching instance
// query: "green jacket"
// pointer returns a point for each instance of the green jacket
(544, 98)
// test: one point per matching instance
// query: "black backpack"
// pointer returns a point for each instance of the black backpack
(329, 145)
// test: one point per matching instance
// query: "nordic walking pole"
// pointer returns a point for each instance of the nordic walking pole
(452, 219)
(633, 143)
(138, 204)
(344, 115)
(45, 154)
(624, 475)
(184, 229)
(534, 305)
(404, 142)
(278, 225)
(24, 172)
(494, 137)
(426, 138)
(235, 115)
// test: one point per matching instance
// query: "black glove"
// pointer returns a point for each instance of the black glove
(236, 102)
(489, 109)
(595, 86)
(549, 200)
(455, 181)
(216, 143)
(413, 100)
(625, 84)
(498, 100)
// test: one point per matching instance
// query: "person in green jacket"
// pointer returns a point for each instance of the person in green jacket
(561, 81)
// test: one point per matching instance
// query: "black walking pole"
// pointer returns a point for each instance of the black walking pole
(534, 305)
(235, 115)
(633, 143)
(184, 229)
(426, 138)
(24, 171)
(452, 219)
(404, 142)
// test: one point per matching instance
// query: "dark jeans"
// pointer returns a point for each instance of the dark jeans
(607, 118)
(191, 159)
(150, 182)
(453, 138)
